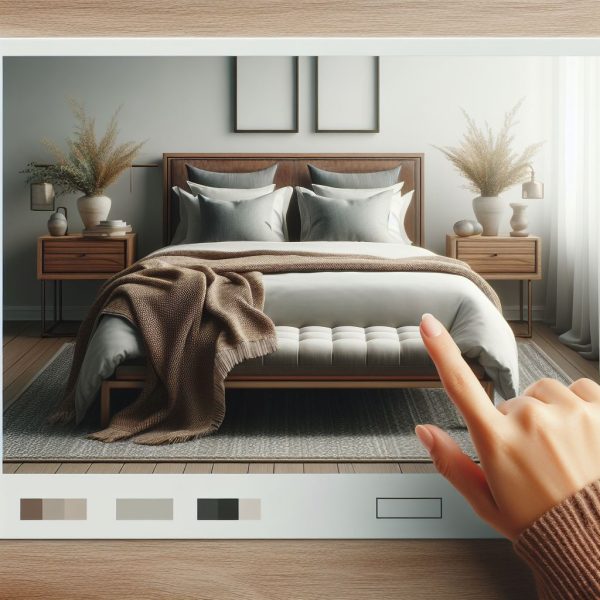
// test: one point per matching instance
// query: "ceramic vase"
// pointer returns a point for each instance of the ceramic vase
(518, 221)
(489, 211)
(93, 209)
(57, 223)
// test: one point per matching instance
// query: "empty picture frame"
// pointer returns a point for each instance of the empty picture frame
(266, 94)
(347, 94)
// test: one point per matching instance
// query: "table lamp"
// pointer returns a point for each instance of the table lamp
(531, 190)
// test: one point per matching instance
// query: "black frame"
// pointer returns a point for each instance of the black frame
(376, 129)
(295, 129)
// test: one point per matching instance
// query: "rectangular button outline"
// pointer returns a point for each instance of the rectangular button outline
(409, 498)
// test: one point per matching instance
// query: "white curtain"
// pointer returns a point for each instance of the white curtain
(572, 274)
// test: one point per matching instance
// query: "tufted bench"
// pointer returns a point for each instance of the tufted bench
(322, 357)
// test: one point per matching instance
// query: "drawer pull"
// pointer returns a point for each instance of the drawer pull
(82, 255)
(494, 254)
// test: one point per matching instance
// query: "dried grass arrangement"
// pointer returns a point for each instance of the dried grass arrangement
(89, 165)
(488, 161)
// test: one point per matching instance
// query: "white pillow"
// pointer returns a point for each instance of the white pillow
(278, 218)
(230, 193)
(398, 207)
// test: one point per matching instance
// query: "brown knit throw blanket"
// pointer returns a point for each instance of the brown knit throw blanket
(200, 314)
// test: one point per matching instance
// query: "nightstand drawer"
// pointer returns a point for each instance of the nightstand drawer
(81, 247)
(84, 262)
(514, 256)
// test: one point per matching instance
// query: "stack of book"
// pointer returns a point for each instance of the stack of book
(108, 229)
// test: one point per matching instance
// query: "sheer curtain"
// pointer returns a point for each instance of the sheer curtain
(572, 276)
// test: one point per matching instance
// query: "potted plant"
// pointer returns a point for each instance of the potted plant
(89, 166)
(491, 166)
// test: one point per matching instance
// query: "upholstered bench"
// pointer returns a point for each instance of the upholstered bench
(322, 357)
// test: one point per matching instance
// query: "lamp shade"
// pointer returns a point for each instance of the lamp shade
(533, 190)
(42, 196)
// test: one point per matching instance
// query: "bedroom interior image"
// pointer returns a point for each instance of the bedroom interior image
(220, 264)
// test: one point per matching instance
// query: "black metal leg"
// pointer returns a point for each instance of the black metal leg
(55, 300)
(43, 304)
(60, 301)
(521, 300)
(529, 308)
(57, 310)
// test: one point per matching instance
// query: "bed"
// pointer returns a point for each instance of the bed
(334, 329)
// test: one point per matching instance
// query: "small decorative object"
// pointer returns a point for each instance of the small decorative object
(57, 223)
(491, 166)
(41, 196)
(531, 190)
(467, 227)
(89, 166)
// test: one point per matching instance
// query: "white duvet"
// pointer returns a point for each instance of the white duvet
(342, 298)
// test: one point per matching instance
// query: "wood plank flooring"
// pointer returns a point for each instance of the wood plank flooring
(25, 353)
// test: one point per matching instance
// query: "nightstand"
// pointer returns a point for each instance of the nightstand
(73, 257)
(502, 257)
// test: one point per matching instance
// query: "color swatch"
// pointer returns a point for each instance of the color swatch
(53, 509)
(144, 509)
(228, 509)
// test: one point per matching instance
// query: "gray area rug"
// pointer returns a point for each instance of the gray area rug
(260, 425)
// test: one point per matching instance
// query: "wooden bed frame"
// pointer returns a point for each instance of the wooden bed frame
(292, 170)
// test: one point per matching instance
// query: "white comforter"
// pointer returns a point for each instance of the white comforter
(343, 298)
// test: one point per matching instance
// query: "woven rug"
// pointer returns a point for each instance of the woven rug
(260, 425)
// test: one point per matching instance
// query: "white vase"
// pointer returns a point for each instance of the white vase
(518, 220)
(93, 209)
(489, 211)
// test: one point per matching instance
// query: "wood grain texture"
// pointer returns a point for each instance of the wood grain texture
(253, 570)
(281, 18)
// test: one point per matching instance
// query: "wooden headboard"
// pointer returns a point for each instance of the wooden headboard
(293, 171)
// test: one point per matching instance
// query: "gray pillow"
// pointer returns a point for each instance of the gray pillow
(344, 220)
(181, 231)
(211, 220)
(253, 179)
(373, 179)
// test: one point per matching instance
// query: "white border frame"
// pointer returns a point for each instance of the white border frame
(13, 486)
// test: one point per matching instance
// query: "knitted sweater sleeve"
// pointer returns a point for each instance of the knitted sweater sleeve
(563, 547)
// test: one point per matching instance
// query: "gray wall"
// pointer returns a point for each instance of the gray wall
(184, 104)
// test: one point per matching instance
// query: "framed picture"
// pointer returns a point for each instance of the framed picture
(41, 196)
(266, 94)
(347, 94)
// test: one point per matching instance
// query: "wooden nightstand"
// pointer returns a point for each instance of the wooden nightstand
(73, 257)
(502, 257)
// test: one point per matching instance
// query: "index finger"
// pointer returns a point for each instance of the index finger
(460, 382)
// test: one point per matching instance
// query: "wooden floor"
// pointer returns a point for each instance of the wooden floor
(25, 353)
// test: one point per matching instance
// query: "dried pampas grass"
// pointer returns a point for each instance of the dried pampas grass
(488, 161)
(88, 165)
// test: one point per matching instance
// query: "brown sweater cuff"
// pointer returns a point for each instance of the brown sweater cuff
(563, 547)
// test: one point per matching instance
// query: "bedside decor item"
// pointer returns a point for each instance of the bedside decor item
(491, 166)
(531, 190)
(57, 223)
(467, 228)
(41, 196)
(89, 166)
